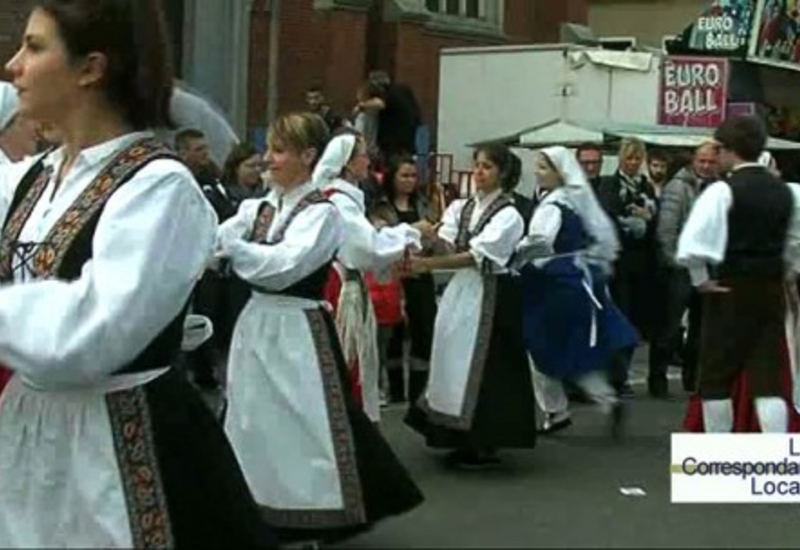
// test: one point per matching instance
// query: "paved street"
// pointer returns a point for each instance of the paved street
(566, 493)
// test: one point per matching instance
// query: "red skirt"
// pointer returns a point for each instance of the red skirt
(333, 289)
(745, 419)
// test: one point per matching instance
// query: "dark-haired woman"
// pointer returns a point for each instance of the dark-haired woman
(480, 396)
(405, 203)
(103, 443)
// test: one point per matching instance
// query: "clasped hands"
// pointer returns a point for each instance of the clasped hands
(412, 265)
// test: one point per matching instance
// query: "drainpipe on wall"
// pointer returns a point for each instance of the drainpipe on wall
(274, 45)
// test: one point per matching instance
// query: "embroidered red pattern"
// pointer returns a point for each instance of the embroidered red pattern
(266, 216)
(48, 260)
(138, 463)
(17, 221)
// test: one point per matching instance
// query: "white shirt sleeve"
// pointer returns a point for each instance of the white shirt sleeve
(498, 240)
(149, 249)
(544, 226)
(366, 248)
(704, 237)
(792, 252)
(542, 232)
(448, 230)
(310, 242)
(239, 225)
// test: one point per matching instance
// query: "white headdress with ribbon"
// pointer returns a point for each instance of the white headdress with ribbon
(582, 198)
(335, 157)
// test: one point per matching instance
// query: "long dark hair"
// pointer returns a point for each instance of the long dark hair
(395, 163)
(133, 36)
(509, 166)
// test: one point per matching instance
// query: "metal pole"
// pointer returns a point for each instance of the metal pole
(274, 45)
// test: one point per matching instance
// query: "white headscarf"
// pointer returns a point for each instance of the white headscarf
(327, 173)
(335, 157)
(582, 198)
(9, 104)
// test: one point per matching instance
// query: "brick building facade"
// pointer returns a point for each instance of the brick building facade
(334, 44)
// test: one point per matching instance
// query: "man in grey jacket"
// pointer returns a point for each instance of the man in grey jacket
(677, 199)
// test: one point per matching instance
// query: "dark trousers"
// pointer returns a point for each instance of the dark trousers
(634, 290)
(691, 347)
(743, 330)
(420, 310)
(674, 293)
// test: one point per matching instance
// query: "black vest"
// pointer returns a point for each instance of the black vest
(163, 350)
(758, 222)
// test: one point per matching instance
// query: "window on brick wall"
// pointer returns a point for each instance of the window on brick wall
(490, 11)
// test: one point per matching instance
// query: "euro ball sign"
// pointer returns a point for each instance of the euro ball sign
(692, 89)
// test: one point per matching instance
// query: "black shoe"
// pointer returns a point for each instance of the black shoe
(624, 389)
(555, 422)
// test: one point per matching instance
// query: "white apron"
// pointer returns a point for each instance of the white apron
(286, 420)
(460, 345)
(59, 476)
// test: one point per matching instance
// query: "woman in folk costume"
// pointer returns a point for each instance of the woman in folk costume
(745, 416)
(571, 325)
(315, 463)
(365, 248)
(104, 444)
(479, 397)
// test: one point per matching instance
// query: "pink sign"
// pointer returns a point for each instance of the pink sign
(693, 91)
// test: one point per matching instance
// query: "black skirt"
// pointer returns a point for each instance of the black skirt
(505, 413)
(386, 487)
(183, 482)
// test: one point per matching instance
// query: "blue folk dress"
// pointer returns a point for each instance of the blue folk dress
(570, 323)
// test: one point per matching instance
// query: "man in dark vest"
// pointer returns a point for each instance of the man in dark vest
(740, 228)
